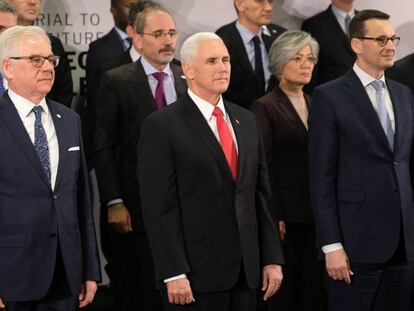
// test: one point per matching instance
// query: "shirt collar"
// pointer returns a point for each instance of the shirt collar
(247, 35)
(150, 69)
(205, 107)
(122, 34)
(365, 78)
(135, 55)
(24, 106)
(340, 13)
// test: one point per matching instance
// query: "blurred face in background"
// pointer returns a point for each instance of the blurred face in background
(7, 20)
(252, 14)
(120, 13)
(27, 10)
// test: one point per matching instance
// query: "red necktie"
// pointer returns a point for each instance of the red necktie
(226, 141)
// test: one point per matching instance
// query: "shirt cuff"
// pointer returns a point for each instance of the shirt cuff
(181, 276)
(332, 247)
(114, 201)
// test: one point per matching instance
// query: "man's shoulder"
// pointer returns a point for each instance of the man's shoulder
(227, 30)
(123, 71)
(103, 41)
(315, 20)
(275, 29)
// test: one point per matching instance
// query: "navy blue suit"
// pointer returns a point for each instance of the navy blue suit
(36, 221)
(361, 189)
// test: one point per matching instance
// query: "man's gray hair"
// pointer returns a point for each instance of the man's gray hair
(286, 46)
(189, 47)
(10, 40)
(5, 7)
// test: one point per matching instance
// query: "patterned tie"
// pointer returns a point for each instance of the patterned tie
(40, 143)
(382, 112)
(226, 141)
(258, 66)
(2, 89)
(159, 91)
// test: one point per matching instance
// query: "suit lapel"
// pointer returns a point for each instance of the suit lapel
(13, 122)
(395, 98)
(201, 128)
(179, 80)
(139, 81)
(58, 122)
(336, 28)
(360, 98)
(239, 50)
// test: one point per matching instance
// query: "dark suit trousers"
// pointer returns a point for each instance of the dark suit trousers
(303, 285)
(374, 287)
(238, 298)
(58, 297)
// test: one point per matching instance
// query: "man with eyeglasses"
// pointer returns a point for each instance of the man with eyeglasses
(127, 95)
(248, 40)
(48, 250)
(331, 29)
(360, 139)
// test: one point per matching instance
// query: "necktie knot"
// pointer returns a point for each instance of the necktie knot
(377, 85)
(217, 112)
(256, 40)
(37, 110)
(159, 75)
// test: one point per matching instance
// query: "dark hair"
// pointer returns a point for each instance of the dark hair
(139, 7)
(357, 25)
(141, 18)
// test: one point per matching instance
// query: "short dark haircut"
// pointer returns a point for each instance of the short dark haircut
(138, 8)
(141, 18)
(5, 7)
(357, 26)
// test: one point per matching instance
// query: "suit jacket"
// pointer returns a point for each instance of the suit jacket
(361, 190)
(286, 143)
(402, 71)
(125, 101)
(335, 56)
(105, 50)
(34, 218)
(242, 89)
(200, 221)
(62, 89)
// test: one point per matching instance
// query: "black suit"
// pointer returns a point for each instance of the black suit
(199, 220)
(402, 71)
(62, 89)
(125, 100)
(242, 89)
(335, 55)
(361, 191)
(286, 143)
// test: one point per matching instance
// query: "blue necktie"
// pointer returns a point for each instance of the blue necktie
(258, 66)
(40, 143)
(2, 89)
(382, 112)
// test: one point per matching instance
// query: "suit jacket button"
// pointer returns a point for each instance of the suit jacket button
(395, 163)
(55, 197)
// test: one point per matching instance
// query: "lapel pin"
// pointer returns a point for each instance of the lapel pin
(237, 121)
(59, 116)
(183, 77)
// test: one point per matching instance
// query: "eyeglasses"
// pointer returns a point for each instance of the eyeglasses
(301, 60)
(382, 40)
(159, 35)
(38, 60)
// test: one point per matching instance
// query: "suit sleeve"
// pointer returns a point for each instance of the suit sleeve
(107, 141)
(323, 163)
(159, 199)
(266, 128)
(91, 264)
(270, 246)
(62, 90)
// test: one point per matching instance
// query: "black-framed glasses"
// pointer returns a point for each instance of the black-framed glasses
(38, 60)
(383, 40)
(159, 35)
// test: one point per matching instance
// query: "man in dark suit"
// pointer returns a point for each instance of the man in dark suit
(330, 29)
(62, 90)
(49, 257)
(248, 41)
(361, 139)
(205, 192)
(128, 94)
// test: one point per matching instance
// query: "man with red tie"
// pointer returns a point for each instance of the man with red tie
(205, 192)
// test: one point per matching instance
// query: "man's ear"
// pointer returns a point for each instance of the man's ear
(7, 69)
(188, 71)
(356, 46)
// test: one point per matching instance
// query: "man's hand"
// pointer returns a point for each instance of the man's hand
(282, 229)
(272, 278)
(337, 265)
(119, 219)
(88, 292)
(2, 305)
(179, 292)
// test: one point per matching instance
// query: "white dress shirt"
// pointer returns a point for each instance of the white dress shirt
(366, 81)
(341, 16)
(24, 108)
